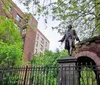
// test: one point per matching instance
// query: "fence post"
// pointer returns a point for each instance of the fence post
(25, 75)
(98, 75)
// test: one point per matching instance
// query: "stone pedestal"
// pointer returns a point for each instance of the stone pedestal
(68, 74)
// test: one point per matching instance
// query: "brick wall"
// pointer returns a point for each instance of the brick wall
(89, 48)
(29, 44)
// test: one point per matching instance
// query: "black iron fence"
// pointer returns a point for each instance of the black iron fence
(63, 75)
(79, 75)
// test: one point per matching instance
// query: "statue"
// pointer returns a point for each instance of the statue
(69, 38)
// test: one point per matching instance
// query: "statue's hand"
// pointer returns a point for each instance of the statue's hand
(79, 41)
(60, 41)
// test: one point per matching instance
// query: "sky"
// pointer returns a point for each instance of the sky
(50, 34)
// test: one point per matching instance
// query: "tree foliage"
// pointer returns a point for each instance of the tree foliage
(49, 58)
(10, 42)
(47, 62)
(81, 14)
(88, 77)
(9, 32)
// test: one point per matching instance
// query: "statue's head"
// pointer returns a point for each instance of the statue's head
(70, 26)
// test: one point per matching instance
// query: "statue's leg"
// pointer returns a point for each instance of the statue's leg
(70, 45)
(67, 47)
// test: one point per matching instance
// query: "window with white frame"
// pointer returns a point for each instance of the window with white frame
(42, 40)
(18, 18)
(10, 9)
(41, 47)
(24, 31)
(46, 44)
(37, 36)
(35, 51)
(36, 43)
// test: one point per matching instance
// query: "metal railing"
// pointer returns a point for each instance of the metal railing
(42, 75)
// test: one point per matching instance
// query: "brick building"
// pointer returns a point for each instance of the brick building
(41, 43)
(28, 29)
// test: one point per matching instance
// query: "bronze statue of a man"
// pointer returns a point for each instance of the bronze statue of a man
(69, 38)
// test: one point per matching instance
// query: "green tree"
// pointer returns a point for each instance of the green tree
(88, 76)
(10, 43)
(97, 11)
(80, 13)
(45, 67)
(49, 58)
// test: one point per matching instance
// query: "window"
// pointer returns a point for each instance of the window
(23, 39)
(46, 44)
(18, 18)
(35, 51)
(37, 36)
(42, 40)
(45, 49)
(10, 9)
(41, 47)
(36, 43)
(24, 31)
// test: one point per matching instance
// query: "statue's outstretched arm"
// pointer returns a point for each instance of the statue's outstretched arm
(63, 38)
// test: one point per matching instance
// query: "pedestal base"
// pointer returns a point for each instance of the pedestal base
(68, 74)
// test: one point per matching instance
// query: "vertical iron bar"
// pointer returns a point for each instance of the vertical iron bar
(69, 74)
(34, 75)
(46, 75)
(25, 74)
(33, 70)
(78, 66)
(86, 71)
(38, 76)
(65, 75)
(54, 76)
(49, 76)
(57, 70)
(43, 75)
(31, 76)
(97, 75)
(73, 69)
(91, 72)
